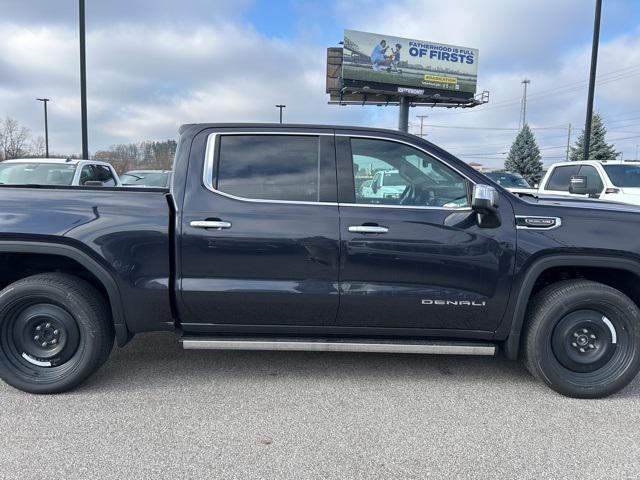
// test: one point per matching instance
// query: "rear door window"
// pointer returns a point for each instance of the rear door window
(270, 167)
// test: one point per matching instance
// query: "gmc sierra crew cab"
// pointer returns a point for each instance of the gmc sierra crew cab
(262, 243)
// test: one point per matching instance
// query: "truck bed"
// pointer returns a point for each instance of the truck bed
(126, 231)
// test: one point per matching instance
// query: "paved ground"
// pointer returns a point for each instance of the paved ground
(155, 411)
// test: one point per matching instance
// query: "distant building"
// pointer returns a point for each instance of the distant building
(480, 167)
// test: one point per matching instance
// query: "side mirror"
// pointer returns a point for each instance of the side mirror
(485, 204)
(374, 187)
(485, 199)
(578, 186)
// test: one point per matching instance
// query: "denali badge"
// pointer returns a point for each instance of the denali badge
(537, 223)
(456, 303)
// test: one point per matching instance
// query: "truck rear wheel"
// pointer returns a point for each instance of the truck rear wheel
(582, 338)
(55, 331)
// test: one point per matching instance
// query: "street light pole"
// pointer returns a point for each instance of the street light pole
(523, 109)
(422, 117)
(280, 106)
(592, 78)
(83, 82)
(46, 125)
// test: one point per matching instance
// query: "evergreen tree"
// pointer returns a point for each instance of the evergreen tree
(524, 156)
(599, 149)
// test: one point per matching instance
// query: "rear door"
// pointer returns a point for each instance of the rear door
(259, 244)
(416, 258)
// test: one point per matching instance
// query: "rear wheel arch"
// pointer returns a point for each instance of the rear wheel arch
(102, 276)
(524, 292)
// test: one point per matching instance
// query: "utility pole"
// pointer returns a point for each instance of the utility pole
(568, 142)
(422, 117)
(83, 81)
(46, 125)
(523, 110)
(592, 78)
(280, 106)
(637, 151)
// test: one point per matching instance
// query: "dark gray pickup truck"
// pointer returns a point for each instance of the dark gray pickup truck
(281, 237)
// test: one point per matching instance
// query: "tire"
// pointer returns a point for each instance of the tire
(55, 331)
(582, 338)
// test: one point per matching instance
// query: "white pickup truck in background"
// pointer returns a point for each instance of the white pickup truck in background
(607, 180)
(58, 172)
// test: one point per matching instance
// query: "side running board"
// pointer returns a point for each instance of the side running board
(338, 345)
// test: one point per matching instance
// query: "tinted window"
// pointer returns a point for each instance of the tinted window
(593, 177)
(270, 167)
(403, 175)
(560, 177)
(624, 175)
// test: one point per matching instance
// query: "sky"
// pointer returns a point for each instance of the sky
(154, 65)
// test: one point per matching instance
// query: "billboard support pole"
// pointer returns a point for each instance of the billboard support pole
(403, 115)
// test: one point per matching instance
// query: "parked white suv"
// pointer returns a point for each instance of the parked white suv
(57, 171)
(616, 181)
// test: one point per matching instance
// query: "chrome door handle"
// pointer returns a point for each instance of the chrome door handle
(367, 229)
(210, 224)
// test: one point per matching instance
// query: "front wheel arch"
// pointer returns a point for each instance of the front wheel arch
(523, 292)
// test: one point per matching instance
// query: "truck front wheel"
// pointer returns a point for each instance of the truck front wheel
(55, 331)
(582, 338)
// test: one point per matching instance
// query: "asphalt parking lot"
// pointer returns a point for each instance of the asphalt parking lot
(156, 411)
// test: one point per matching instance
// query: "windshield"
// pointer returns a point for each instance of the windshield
(624, 175)
(508, 180)
(36, 173)
(145, 179)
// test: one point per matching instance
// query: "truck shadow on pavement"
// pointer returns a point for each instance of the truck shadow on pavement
(157, 361)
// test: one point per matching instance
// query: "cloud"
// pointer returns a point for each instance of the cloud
(150, 70)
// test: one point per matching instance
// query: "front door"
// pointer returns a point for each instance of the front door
(259, 243)
(413, 255)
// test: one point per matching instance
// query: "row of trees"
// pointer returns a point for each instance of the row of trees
(524, 156)
(16, 141)
(144, 155)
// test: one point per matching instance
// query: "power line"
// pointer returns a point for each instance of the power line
(507, 129)
(613, 76)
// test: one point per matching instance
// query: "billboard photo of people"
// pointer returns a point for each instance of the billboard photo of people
(403, 62)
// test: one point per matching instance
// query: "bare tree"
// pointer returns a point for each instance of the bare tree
(37, 148)
(13, 139)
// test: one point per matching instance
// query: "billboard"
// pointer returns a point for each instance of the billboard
(408, 66)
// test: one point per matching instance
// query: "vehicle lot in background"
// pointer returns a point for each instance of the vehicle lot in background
(156, 411)
(614, 181)
(57, 171)
(147, 178)
(513, 182)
